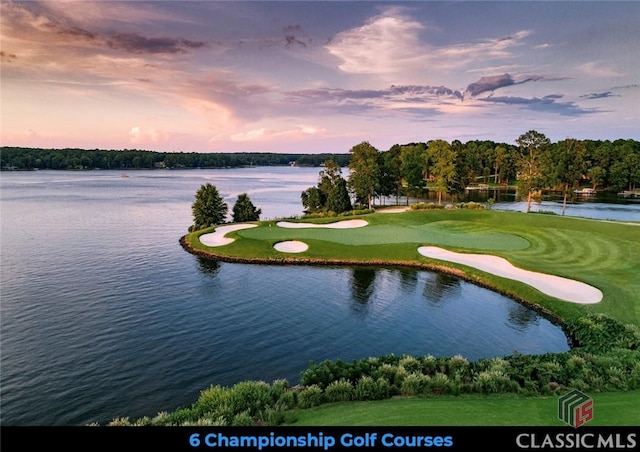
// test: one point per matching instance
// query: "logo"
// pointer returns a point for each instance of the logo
(575, 408)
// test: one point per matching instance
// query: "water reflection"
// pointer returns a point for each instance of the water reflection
(438, 288)
(208, 266)
(362, 285)
(521, 317)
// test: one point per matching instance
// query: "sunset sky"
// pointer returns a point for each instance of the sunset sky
(301, 76)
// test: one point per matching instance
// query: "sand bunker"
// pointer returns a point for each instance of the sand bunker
(555, 286)
(347, 224)
(217, 238)
(291, 246)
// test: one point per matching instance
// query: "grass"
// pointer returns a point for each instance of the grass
(610, 409)
(604, 254)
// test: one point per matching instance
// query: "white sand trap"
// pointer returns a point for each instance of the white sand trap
(347, 224)
(217, 238)
(393, 209)
(555, 286)
(291, 246)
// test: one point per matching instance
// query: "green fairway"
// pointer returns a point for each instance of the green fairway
(610, 409)
(603, 254)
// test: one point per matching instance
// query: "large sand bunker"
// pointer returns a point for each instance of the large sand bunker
(555, 286)
(217, 238)
(347, 224)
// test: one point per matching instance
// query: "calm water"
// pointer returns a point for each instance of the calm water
(103, 314)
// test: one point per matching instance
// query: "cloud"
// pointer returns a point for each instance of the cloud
(393, 43)
(294, 35)
(8, 57)
(546, 104)
(395, 93)
(604, 95)
(385, 44)
(48, 25)
(139, 135)
(598, 69)
(494, 82)
(264, 134)
(136, 43)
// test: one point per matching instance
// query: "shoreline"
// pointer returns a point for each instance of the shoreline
(382, 263)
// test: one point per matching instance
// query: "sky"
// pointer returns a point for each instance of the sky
(310, 77)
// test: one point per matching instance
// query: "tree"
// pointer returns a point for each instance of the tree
(244, 210)
(338, 200)
(330, 192)
(327, 178)
(311, 199)
(390, 176)
(568, 163)
(443, 166)
(531, 146)
(209, 208)
(364, 180)
(414, 167)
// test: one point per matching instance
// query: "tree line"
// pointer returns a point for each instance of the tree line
(21, 158)
(532, 164)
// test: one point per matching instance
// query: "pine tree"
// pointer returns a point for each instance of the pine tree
(209, 208)
(244, 210)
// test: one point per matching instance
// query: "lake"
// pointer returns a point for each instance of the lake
(104, 315)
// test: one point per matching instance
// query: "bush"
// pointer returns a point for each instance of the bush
(339, 391)
(310, 396)
(249, 396)
(411, 364)
(458, 365)
(243, 419)
(492, 381)
(438, 384)
(426, 206)
(367, 389)
(287, 400)
(413, 384)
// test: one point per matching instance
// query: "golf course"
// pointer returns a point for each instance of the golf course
(602, 254)
(579, 273)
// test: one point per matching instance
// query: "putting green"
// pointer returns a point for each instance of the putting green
(436, 234)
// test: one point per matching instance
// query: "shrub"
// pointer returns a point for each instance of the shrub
(339, 391)
(367, 389)
(383, 388)
(439, 384)
(287, 400)
(211, 399)
(426, 206)
(492, 381)
(249, 396)
(411, 364)
(458, 365)
(310, 396)
(429, 365)
(278, 387)
(413, 384)
(388, 372)
(243, 419)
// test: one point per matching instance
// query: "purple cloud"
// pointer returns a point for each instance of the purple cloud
(494, 82)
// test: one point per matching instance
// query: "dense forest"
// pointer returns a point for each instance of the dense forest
(533, 162)
(20, 158)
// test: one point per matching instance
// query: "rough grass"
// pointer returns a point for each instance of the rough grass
(604, 254)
